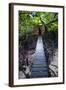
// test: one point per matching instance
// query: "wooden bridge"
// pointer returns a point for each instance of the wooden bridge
(39, 66)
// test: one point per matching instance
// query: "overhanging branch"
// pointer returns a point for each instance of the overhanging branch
(52, 21)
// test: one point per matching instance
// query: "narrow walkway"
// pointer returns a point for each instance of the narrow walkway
(39, 67)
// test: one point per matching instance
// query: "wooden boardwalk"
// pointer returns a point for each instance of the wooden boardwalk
(40, 66)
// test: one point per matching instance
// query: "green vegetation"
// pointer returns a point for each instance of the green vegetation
(28, 20)
(29, 23)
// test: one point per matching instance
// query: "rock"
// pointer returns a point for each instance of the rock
(21, 75)
(54, 64)
(51, 52)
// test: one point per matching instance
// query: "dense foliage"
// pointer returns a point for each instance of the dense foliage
(28, 20)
